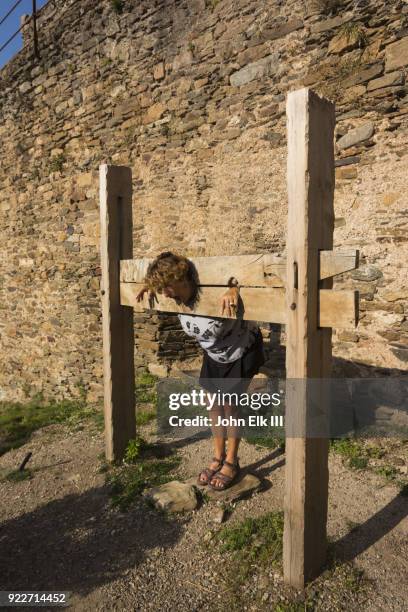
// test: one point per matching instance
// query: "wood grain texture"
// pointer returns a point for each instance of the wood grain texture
(251, 270)
(117, 320)
(255, 304)
(336, 308)
(310, 179)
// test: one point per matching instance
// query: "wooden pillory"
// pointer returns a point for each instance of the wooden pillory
(295, 290)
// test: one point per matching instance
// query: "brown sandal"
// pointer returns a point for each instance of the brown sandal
(225, 480)
(209, 472)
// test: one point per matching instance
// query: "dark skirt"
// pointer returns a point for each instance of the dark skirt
(233, 377)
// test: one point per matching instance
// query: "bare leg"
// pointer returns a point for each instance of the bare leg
(219, 437)
(219, 432)
(233, 441)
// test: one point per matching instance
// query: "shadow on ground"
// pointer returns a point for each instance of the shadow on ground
(76, 544)
(376, 527)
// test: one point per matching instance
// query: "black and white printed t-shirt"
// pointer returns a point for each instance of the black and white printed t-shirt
(225, 340)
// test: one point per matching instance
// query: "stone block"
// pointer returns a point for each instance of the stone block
(155, 112)
(342, 42)
(393, 296)
(359, 134)
(25, 87)
(388, 80)
(158, 71)
(282, 30)
(329, 24)
(346, 161)
(401, 353)
(84, 180)
(363, 76)
(173, 496)
(396, 54)
(367, 273)
(348, 336)
(147, 344)
(183, 59)
(256, 70)
(346, 173)
(354, 93)
(158, 369)
(387, 319)
(389, 335)
(253, 54)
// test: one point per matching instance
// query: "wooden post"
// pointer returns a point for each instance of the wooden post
(117, 321)
(35, 36)
(310, 176)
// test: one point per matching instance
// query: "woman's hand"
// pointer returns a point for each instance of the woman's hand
(229, 302)
(152, 296)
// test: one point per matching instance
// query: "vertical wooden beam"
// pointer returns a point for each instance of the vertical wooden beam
(310, 178)
(117, 321)
(35, 35)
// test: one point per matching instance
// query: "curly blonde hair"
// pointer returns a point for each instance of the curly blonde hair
(167, 268)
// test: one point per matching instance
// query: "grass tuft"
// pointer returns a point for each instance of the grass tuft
(354, 33)
(357, 455)
(117, 6)
(146, 388)
(266, 441)
(18, 421)
(19, 475)
(56, 163)
(146, 394)
(254, 542)
(354, 454)
(143, 467)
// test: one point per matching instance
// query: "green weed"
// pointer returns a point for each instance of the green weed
(145, 388)
(144, 416)
(118, 6)
(19, 475)
(126, 482)
(212, 4)
(387, 471)
(357, 456)
(266, 441)
(353, 453)
(134, 449)
(254, 542)
(105, 61)
(355, 33)
(18, 421)
(358, 463)
(56, 163)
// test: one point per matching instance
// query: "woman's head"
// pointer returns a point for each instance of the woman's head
(172, 275)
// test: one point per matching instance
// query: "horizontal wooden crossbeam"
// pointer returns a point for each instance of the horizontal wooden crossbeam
(251, 270)
(337, 308)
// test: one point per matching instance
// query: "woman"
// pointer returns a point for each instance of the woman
(233, 353)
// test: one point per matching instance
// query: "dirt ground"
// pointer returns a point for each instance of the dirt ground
(58, 531)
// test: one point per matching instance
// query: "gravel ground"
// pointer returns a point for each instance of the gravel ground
(58, 531)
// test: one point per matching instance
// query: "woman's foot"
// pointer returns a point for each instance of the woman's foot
(206, 475)
(226, 476)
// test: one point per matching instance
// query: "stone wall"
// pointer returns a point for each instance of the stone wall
(191, 95)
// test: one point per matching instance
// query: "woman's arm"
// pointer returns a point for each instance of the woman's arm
(229, 301)
(152, 296)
